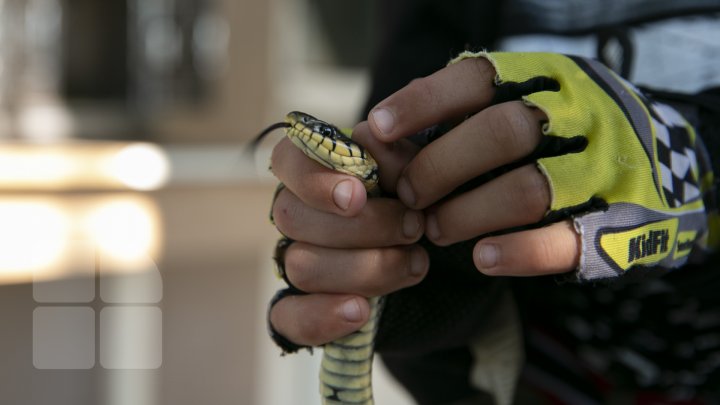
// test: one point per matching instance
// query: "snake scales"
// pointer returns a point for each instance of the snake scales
(346, 367)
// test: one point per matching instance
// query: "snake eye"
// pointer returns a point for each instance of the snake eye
(327, 131)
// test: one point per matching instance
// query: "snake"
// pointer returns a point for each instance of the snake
(346, 366)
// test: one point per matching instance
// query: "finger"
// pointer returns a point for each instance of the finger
(392, 157)
(330, 191)
(382, 222)
(519, 197)
(317, 186)
(553, 249)
(366, 272)
(452, 92)
(496, 136)
(312, 320)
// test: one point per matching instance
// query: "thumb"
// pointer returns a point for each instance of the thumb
(392, 157)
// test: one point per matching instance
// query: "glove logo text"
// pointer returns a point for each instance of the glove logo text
(645, 245)
(649, 244)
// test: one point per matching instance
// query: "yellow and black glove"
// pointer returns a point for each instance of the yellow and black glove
(635, 173)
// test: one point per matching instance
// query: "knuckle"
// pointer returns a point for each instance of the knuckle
(374, 260)
(300, 271)
(532, 193)
(285, 213)
(309, 331)
(482, 68)
(380, 272)
(297, 324)
(435, 169)
(423, 89)
(293, 324)
(428, 171)
(381, 224)
(375, 277)
(516, 128)
(392, 260)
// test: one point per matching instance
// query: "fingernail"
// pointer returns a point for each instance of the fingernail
(411, 224)
(432, 230)
(418, 262)
(342, 194)
(384, 120)
(405, 192)
(351, 310)
(487, 256)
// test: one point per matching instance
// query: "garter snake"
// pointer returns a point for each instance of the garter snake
(346, 367)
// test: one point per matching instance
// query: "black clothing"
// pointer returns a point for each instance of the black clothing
(649, 339)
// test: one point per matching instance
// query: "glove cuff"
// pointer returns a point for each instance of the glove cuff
(287, 346)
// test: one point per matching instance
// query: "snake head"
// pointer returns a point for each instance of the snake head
(315, 125)
(329, 146)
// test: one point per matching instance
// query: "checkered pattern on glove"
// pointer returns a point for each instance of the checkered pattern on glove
(635, 186)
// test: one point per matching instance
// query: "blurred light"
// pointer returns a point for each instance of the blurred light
(43, 237)
(33, 167)
(82, 165)
(141, 167)
(33, 235)
(122, 230)
(45, 122)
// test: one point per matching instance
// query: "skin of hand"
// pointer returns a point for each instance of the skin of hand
(347, 247)
(491, 136)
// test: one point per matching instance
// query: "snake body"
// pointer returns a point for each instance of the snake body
(346, 367)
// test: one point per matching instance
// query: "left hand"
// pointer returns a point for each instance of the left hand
(629, 171)
(495, 135)
(346, 247)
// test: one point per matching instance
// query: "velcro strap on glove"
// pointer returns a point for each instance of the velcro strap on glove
(640, 157)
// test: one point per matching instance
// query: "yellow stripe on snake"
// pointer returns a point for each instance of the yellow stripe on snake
(346, 367)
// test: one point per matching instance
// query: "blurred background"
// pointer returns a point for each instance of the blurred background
(124, 187)
(134, 241)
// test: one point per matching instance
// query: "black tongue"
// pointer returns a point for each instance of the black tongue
(259, 137)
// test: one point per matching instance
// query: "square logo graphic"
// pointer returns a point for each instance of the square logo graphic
(125, 332)
(142, 285)
(131, 337)
(64, 338)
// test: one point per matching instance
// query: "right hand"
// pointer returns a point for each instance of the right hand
(347, 247)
